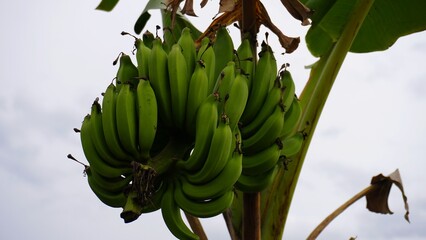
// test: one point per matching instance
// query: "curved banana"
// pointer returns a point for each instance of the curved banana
(203, 209)
(266, 134)
(112, 185)
(289, 89)
(262, 161)
(197, 92)
(179, 81)
(188, 49)
(96, 162)
(98, 138)
(292, 144)
(115, 200)
(224, 50)
(245, 60)
(109, 124)
(237, 98)
(147, 117)
(225, 80)
(142, 57)
(206, 122)
(159, 78)
(207, 56)
(256, 183)
(127, 71)
(220, 184)
(172, 216)
(274, 97)
(291, 118)
(263, 81)
(127, 126)
(217, 158)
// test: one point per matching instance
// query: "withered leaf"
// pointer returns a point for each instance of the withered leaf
(188, 8)
(226, 6)
(203, 3)
(288, 43)
(298, 10)
(377, 199)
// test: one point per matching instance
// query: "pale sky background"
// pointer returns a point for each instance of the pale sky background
(56, 58)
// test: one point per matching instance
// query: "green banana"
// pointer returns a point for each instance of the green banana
(172, 216)
(220, 184)
(245, 60)
(225, 80)
(112, 185)
(127, 126)
(266, 134)
(256, 183)
(217, 158)
(161, 139)
(147, 112)
(127, 71)
(238, 95)
(262, 161)
(158, 76)
(291, 118)
(92, 156)
(98, 138)
(263, 81)
(114, 200)
(273, 98)
(142, 57)
(207, 56)
(292, 145)
(205, 125)
(224, 50)
(109, 124)
(197, 92)
(289, 89)
(203, 209)
(179, 81)
(188, 49)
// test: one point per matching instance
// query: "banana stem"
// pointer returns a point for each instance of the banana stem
(313, 99)
(251, 201)
(316, 232)
(227, 216)
(196, 226)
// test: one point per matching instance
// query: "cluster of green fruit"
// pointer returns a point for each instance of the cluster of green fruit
(186, 127)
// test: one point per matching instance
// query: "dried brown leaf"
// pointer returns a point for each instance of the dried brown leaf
(188, 8)
(225, 19)
(377, 199)
(226, 6)
(288, 43)
(298, 10)
(203, 3)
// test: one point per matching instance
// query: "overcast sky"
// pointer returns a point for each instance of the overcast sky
(56, 58)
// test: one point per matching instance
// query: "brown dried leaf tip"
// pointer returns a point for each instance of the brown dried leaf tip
(298, 11)
(377, 198)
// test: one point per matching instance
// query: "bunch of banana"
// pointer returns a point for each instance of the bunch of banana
(268, 139)
(184, 126)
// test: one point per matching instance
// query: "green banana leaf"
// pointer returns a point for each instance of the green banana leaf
(387, 21)
(107, 5)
